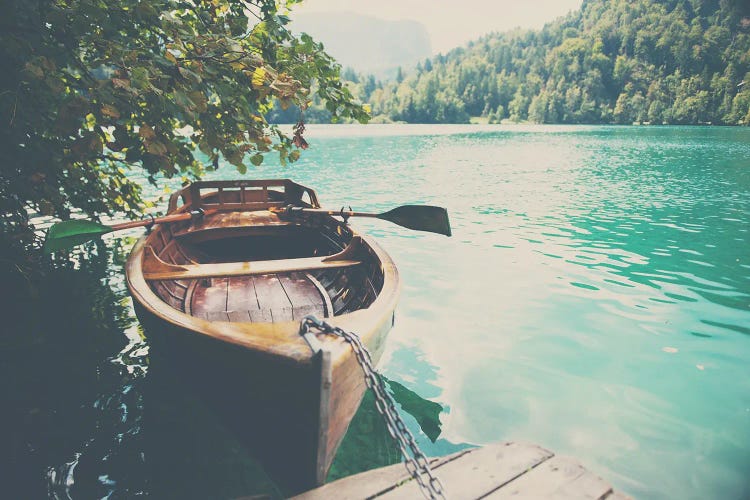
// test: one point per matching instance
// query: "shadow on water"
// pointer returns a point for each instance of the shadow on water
(368, 445)
(88, 414)
(65, 399)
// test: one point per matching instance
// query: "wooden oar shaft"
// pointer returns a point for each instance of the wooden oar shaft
(343, 213)
(159, 220)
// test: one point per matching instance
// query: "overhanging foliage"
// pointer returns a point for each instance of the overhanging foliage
(92, 91)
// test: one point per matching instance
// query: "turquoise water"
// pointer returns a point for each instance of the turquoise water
(594, 299)
(595, 296)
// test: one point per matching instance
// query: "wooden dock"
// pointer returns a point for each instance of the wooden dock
(505, 470)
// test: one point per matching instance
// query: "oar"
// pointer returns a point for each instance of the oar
(69, 233)
(417, 217)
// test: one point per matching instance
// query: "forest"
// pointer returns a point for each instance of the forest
(612, 61)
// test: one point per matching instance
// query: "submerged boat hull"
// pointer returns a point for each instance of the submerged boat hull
(291, 404)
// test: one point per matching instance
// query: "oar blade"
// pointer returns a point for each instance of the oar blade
(69, 233)
(420, 218)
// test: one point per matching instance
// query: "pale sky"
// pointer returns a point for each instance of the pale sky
(452, 23)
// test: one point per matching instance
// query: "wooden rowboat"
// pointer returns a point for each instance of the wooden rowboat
(222, 295)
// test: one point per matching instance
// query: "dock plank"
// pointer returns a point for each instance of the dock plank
(371, 483)
(559, 478)
(503, 470)
(480, 472)
(616, 495)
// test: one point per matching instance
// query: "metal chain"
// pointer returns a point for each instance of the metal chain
(416, 463)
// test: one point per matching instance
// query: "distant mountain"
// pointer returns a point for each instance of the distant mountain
(367, 44)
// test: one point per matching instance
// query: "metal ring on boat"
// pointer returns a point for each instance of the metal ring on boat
(151, 223)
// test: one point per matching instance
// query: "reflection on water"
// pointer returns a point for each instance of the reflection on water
(595, 299)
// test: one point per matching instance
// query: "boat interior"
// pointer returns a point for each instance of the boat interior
(240, 262)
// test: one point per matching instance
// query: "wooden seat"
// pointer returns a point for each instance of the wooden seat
(252, 221)
(155, 269)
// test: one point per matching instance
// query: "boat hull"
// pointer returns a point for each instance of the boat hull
(288, 402)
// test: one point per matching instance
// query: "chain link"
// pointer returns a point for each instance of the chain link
(415, 461)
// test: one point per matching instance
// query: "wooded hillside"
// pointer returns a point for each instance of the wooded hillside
(612, 61)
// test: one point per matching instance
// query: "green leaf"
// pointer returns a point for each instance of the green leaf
(121, 83)
(156, 148)
(190, 75)
(110, 111)
(33, 69)
(205, 148)
(133, 154)
(234, 156)
(199, 100)
(256, 160)
(139, 78)
(259, 78)
(183, 101)
(90, 121)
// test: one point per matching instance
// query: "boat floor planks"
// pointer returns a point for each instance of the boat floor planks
(266, 298)
(505, 470)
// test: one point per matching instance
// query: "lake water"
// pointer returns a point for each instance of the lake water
(594, 299)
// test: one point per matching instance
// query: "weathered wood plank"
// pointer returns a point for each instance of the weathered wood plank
(558, 478)
(616, 495)
(303, 295)
(260, 316)
(370, 483)
(239, 316)
(480, 472)
(299, 312)
(503, 470)
(168, 297)
(241, 294)
(299, 289)
(210, 298)
(282, 314)
(270, 293)
(191, 271)
(217, 316)
(232, 219)
(272, 298)
(328, 306)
